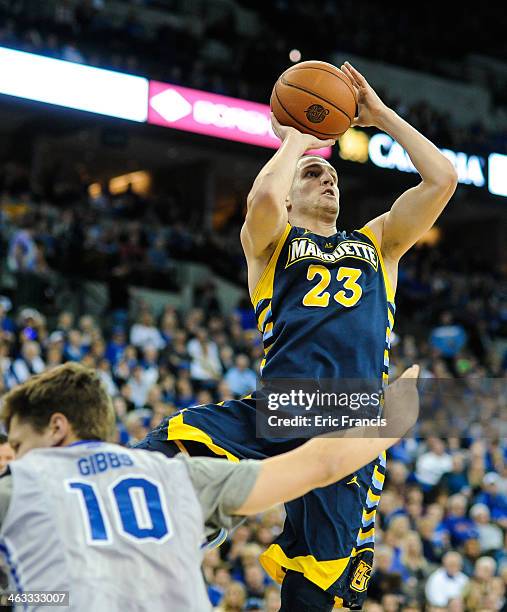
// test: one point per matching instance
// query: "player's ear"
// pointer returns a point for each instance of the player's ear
(59, 428)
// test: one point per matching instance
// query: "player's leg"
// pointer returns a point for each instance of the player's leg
(328, 537)
(299, 593)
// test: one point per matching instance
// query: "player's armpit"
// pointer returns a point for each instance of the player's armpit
(413, 214)
(221, 487)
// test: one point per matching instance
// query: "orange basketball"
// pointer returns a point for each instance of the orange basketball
(315, 98)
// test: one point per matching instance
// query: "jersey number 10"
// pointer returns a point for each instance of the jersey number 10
(137, 504)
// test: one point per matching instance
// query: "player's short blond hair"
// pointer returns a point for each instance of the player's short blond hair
(71, 389)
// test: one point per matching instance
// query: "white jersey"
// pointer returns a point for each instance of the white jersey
(119, 529)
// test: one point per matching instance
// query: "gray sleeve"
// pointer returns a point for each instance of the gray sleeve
(5, 495)
(221, 487)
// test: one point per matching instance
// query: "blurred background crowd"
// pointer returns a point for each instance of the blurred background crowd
(103, 276)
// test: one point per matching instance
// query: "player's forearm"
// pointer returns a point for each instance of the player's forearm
(317, 463)
(432, 165)
(339, 457)
(275, 179)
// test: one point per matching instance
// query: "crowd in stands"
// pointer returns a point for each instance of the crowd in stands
(208, 51)
(124, 239)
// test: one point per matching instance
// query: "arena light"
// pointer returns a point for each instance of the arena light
(201, 112)
(140, 182)
(497, 174)
(71, 85)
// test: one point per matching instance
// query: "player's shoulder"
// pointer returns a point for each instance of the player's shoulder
(374, 230)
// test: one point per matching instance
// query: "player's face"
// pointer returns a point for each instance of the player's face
(6, 455)
(315, 187)
(23, 437)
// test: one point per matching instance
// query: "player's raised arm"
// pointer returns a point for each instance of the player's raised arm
(266, 216)
(416, 210)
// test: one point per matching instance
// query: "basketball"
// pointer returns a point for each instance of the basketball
(316, 98)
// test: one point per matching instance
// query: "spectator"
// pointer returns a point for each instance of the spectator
(218, 583)
(74, 350)
(490, 535)
(104, 369)
(432, 465)
(415, 568)
(493, 499)
(471, 552)
(116, 346)
(446, 583)
(205, 366)
(139, 383)
(6, 453)
(272, 600)
(383, 579)
(432, 546)
(459, 526)
(29, 363)
(254, 582)
(22, 251)
(144, 333)
(234, 598)
(241, 379)
(481, 583)
(448, 338)
(456, 480)
(7, 326)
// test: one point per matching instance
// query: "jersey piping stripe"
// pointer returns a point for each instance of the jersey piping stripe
(264, 288)
(12, 567)
(264, 316)
(389, 290)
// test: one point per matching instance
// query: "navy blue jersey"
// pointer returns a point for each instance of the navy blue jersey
(324, 307)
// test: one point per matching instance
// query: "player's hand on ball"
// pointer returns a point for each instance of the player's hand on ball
(310, 142)
(371, 107)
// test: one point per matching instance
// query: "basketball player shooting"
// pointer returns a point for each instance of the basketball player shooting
(321, 317)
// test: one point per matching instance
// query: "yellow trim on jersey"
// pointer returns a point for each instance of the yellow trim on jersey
(262, 316)
(178, 430)
(367, 534)
(378, 475)
(264, 288)
(389, 290)
(390, 316)
(367, 516)
(321, 573)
